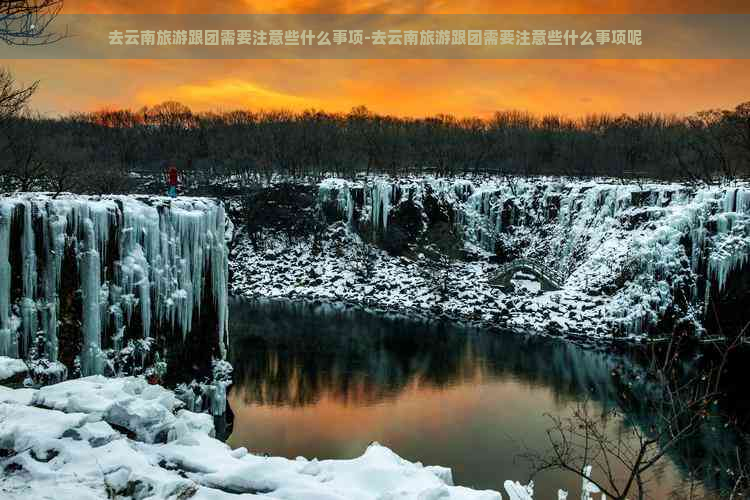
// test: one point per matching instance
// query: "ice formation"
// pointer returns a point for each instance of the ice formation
(153, 259)
(381, 204)
(634, 243)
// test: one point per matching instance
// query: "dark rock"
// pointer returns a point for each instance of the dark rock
(44, 455)
(643, 198)
(509, 216)
(552, 208)
(404, 227)
(12, 468)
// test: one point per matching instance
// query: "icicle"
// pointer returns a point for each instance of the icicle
(217, 395)
(381, 204)
(119, 326)
(722, 264)
(517, 491)
(349, 208)
(220, 274)
(743, 201)
(165, 254)
(29, 276)
(54, 224)
(8, 344)
(91, 361)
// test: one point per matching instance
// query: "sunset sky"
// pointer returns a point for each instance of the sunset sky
(400, 87)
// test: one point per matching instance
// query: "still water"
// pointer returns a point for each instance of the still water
(325, 381)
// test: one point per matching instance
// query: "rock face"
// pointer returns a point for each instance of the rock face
(82, 276)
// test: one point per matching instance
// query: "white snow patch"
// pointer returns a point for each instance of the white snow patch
(11, 367)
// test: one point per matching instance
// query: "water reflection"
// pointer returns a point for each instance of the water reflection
(294, 353)
(325, 380)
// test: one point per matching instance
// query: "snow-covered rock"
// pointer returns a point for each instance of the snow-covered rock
(129, 402)
(12, 368)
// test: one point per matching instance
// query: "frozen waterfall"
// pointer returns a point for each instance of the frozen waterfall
(636, 244)
(136, 265)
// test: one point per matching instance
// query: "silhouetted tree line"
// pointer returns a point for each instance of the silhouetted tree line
(101, 151)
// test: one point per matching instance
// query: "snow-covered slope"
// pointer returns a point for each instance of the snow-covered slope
(108, 269)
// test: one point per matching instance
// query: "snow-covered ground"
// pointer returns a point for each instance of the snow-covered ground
(630, 254)
(408, 286)
(97, 438)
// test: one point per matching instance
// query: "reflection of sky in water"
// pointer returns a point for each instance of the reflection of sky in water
(324, 383)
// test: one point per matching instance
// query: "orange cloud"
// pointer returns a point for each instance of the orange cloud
(226, 93)
(404, 88)
(399, 87)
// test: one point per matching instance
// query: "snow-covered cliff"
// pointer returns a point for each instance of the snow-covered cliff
(657, 252)
(99, 271)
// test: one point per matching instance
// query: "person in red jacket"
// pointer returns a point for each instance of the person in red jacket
(172, 177)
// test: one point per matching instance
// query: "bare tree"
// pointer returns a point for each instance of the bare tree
(740, 121)
(13, 99)
(26, 22)
(22, 22)
(21, 164)
(618, 451)
(444, 248)
(252, 146)
(64, 159)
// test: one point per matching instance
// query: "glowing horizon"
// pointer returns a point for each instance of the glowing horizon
(405, 88)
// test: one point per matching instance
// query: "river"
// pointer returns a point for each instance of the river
(323, 380)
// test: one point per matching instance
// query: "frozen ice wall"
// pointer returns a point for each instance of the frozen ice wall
(147, 264)
(634, 243)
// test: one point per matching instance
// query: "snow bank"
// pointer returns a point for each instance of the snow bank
(20, 396)
(138, 263)
(128, 402)
(11, 368)
(74, 448)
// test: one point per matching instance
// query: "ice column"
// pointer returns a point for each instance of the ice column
(8, 344)
(90, 269)
(381, 204)
(54, 224)
(29, 275)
